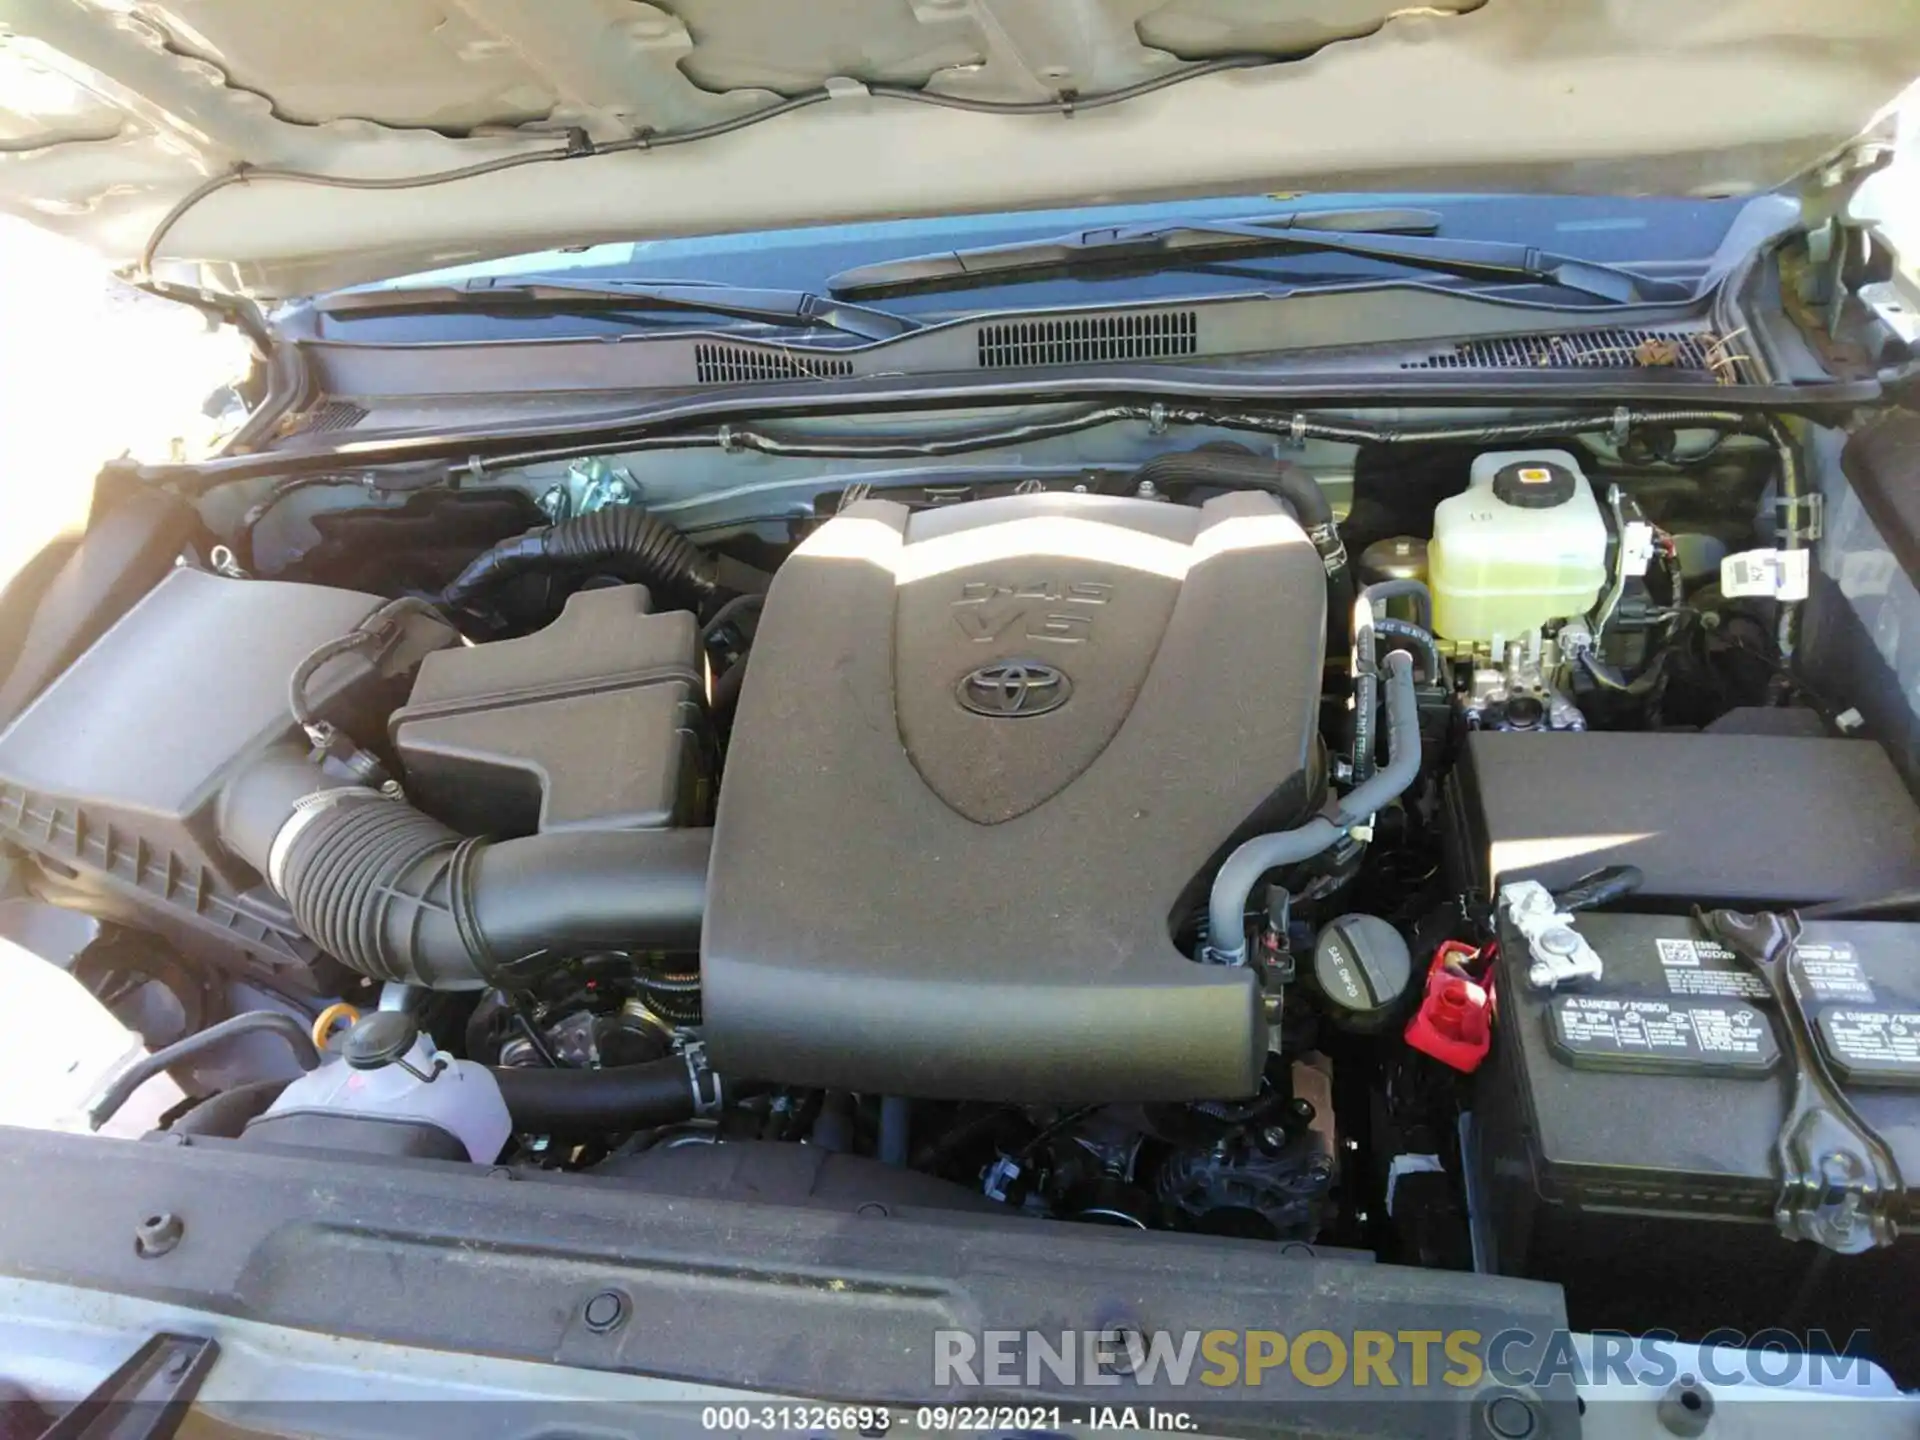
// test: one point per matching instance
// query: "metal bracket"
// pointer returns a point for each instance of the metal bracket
(708, 1101)
(1791, 508)
(1838, 1179)
(1560, 954)
(1891, 308)
(146, 1398)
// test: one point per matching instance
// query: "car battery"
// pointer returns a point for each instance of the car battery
(1633, 1121)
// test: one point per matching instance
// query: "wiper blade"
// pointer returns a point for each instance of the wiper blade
(558, 294)
(1402, 237)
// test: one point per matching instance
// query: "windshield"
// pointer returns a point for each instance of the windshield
(1660, 237)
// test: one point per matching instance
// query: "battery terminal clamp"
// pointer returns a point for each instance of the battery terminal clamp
(1558, 953)
(1838, 1178)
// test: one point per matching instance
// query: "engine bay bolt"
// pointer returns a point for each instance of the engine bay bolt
(1122, 1348)
(605, 1312)
(1686, 1407)
(1510, 1417)
(158, 1234)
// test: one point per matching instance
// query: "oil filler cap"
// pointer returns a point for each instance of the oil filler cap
(1533, 484)
(1363, 968)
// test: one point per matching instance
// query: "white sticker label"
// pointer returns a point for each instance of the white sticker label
(1771, 574)
(1702, 967)
(1691, 952)
(1833, 971)
(1636, 547)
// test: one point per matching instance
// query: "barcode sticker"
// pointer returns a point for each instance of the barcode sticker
(1772, 574)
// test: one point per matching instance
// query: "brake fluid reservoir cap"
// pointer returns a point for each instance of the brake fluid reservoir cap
(1533, 484)
(1363, 968)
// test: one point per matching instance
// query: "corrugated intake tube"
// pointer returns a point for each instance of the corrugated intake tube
(394, 894)
(621, 540)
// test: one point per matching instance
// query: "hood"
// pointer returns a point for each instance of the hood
(577, 121)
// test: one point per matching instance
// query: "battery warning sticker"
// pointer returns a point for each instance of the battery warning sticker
(1872, 1047)
(1604, 1032)
(1832, 971)
(1829, 971)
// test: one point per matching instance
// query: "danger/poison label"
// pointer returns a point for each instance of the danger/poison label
(1605, 1032)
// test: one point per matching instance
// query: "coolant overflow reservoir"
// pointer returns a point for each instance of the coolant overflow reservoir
(1523, 544)
(390, 1091)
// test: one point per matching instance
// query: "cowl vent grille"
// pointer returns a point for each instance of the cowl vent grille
(332, 415)
(1089, 339)
(1577, 350)
(744, 364)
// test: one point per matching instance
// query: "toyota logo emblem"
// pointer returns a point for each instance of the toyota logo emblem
(1012, 689)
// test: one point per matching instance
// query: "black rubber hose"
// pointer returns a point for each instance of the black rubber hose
(595, 1102)
(252, 1022)
(1233, 469)
(1381, 591)
(396, 895)
(1366, 689)
(1387, 628)
(225, 1115)
(621, 540)
(1234, 882)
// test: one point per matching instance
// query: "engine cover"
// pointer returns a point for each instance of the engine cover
(984, 758)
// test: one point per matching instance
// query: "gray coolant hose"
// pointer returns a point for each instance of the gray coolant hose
(1227, 906)
(394, 894)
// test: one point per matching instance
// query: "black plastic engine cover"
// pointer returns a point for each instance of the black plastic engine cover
(983, 760)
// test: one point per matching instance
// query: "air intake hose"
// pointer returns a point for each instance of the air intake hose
(621, 539)
(1235, 468)
(394, 894)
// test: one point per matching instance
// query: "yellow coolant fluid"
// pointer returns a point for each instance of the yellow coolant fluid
(1523, 544)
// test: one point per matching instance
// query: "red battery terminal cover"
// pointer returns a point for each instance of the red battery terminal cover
(1454, 1022)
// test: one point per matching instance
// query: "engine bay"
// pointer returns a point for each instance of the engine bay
(1356, 844)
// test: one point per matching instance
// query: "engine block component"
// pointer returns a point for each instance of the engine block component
(983, 756)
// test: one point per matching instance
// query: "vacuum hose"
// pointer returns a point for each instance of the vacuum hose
(1227, 905)
(396, 895)
(1366, 688)
(540, 1101)
(1238, 469)
(622, 539)
(251, 1022)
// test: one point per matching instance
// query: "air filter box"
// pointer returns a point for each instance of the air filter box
(594, 723)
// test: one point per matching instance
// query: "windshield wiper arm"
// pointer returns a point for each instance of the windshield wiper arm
(537, 292)
(1399, 237)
